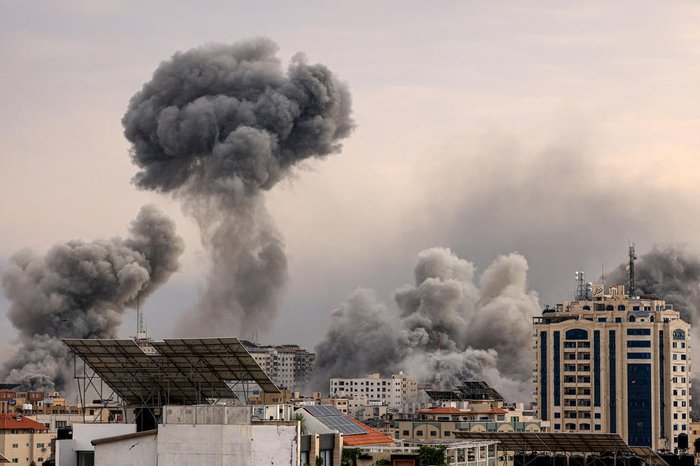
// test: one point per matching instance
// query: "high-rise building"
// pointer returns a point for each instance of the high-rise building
(611, 362)
(288, 366)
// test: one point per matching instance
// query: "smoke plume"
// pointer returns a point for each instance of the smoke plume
(81, 290)
(478, 327)
(216, 127)
(673, 274)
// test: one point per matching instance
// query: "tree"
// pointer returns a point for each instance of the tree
(349, 457)
(433, 456)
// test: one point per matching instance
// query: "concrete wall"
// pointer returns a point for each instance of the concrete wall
(83, 434)
(227, 445)
(207, 414)
(138, 451)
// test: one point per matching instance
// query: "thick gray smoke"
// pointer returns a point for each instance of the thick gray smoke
(80, 290)
(673, 274)
(217, 126)
(481, 325)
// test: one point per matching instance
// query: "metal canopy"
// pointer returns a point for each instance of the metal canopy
(556, 442)
(180, 371)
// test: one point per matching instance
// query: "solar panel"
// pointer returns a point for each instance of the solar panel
(182, 371)
(334, 419)
(551, 441)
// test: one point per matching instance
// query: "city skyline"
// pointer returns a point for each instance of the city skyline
(559, 133)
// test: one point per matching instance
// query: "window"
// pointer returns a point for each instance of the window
(15, 445)
(678, 334)
(597, 427)
(405, 432)
(638, 331)
(419, 432)
(433, 433)
(576, 334)
(641, 344)
(557, 426)
(597, 416)
(639, 356)
(557, 415)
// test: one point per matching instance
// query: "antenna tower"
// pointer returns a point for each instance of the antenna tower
(581, 287)
(630, 270)
(139, 319)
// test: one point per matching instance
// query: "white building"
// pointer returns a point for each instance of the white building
(395, 392)
(189, 435)
(609, 362)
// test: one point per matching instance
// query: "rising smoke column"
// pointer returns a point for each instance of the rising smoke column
(673, 274)
(482, 325)
(217, 126)
(81, 290)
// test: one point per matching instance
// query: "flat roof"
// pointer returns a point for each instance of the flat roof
(180, 371)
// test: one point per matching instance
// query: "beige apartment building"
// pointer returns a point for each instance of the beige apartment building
(610, 362)
(24, 441)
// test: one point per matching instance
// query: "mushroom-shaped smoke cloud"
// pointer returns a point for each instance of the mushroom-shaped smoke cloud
(217, 126)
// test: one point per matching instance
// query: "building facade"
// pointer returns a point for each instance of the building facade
(609, 362)
(395, 392)
(288, 366)
(24, 441)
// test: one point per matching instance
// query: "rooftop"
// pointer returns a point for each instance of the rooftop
(15, 421)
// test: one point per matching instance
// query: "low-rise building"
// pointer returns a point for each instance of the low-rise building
(194, 435)
(396, 392)
(24, 441)
(439, 424)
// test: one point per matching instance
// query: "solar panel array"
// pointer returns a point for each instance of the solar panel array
(559, 442)
(182, 371)
(330, 417)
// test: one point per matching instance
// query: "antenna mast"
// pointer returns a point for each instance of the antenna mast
(630, 269)
(581, 288)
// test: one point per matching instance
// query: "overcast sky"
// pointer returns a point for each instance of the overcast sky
(559, 130)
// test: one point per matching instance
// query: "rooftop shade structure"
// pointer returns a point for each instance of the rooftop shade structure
(179, 371)
(556, 442)
(468, 391)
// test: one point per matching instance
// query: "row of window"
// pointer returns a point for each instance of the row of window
(572, 415)
(570, 426)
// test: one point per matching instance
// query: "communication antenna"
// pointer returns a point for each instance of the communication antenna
(630, 269)
(581, 288)
(141, 332)
(139, 318)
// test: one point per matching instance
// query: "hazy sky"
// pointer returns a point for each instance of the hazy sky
(559, 130)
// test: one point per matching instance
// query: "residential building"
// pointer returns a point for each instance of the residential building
(288, 366)
(612, 362)
(395, 392)
(439, 424)
(24, 441)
